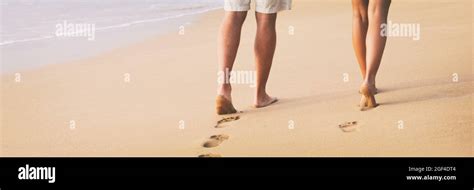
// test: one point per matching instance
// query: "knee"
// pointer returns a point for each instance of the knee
(379, 8)
(359, 13)
(236, 17)
(266, 21)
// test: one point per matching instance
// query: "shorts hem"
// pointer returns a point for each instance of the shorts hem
(272, 10)
(240, 9)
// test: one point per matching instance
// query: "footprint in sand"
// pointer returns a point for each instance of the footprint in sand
(226, 120)
(349, 126)
(215, 140)
(210, 155)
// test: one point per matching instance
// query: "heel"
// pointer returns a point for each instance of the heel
(370, 101)
(224, 106)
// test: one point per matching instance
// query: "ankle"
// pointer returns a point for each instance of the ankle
(224, 90)
(370, 80)
(261, 96)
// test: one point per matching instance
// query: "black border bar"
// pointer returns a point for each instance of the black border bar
(145, 170)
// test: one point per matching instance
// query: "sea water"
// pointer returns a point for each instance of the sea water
(39, 32)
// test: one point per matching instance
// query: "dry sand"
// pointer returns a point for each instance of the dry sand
(167, 108)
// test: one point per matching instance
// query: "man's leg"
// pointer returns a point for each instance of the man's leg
(265, 43)
(228, 44)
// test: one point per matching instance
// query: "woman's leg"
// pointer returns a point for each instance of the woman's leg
(360, 25)
(377, 14)
(265, 44)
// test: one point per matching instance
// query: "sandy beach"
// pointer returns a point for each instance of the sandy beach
(156, 98)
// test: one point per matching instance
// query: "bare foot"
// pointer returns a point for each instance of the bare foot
(376, 90)
(224, 106)
(363, 102)
(368, 99)
(265, 102)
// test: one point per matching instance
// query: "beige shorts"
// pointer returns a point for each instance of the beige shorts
(262, 6)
